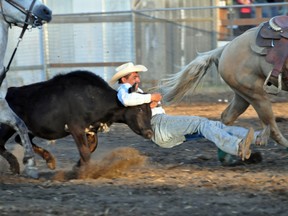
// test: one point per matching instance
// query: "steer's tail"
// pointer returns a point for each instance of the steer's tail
(184, 82)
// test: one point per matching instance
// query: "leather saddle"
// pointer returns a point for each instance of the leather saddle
(274, 36)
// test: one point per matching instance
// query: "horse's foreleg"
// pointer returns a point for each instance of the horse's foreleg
(264, 110)
(236, 107)
(10, 118)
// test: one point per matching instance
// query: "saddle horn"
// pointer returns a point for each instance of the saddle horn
(273, 25)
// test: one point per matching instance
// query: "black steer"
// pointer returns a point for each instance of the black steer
(73, 103)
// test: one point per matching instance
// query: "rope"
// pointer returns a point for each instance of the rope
(6, 69)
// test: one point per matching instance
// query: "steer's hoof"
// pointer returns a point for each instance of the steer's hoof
(51, 163)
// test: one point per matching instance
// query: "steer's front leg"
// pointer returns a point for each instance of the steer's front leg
(81, 141)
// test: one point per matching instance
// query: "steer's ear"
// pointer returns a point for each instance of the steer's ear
(132, 89)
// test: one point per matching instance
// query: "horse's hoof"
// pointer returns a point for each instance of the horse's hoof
(30, 168)
(263, 137)
(31, 172)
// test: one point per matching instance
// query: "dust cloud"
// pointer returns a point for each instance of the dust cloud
(112, 165)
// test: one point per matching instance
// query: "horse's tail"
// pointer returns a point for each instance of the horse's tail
(184, 82)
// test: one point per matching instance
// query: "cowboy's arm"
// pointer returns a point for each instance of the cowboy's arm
(131, 99)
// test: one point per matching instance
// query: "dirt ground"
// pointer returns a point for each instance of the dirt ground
(132, 176)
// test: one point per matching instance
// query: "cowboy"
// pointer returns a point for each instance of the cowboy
(170, 131)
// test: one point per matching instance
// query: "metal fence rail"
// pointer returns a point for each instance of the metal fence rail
(164, 40)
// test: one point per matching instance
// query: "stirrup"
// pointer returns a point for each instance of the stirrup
(271, 89)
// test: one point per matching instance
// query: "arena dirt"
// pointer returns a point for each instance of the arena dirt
(129, 175)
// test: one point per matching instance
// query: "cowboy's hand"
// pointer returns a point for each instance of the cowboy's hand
(153, 104)
(156, 97)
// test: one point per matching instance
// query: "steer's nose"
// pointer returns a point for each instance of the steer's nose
(42, 12)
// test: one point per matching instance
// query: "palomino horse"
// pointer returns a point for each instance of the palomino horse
(250, 67)
(20, 13)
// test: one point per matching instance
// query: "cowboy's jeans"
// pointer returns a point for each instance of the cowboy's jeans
(170, 131)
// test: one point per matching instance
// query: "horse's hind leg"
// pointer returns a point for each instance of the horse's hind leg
(237, 106)
(263, 108)
(262, 105)
(7, 116)
(46, 155)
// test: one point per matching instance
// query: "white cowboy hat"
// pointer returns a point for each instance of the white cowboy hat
(126, 69)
